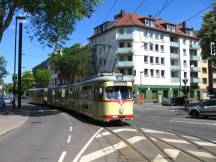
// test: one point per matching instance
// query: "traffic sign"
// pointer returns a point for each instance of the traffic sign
(213, 48)
(185, 81)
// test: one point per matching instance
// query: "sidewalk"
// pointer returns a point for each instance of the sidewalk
(10, 120)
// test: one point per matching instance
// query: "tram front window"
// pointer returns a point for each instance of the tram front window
(118, 92)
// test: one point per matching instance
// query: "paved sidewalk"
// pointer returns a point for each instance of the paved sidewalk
(10, 120)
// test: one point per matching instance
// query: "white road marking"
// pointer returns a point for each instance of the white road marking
(202, 154)
(175, 141)
(116, 131)
(155, 131)
(159, 158)
(62, 156)
(191, 137)
(172, 153)
(65, 115)
(71, 129)
(204, 143)
(108, 150)
(86, 145)
(69, 139)
(190, 122)
(214, 141)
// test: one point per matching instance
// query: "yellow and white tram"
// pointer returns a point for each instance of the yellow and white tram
(104, 98)
(38, 96)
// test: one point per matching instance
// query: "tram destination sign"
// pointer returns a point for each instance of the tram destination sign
(120, 83)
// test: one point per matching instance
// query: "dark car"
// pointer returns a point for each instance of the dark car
(174, 101)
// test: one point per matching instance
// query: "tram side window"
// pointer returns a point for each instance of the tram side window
(118, 92)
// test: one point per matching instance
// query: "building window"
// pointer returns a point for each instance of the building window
(157, 60)
(129, 31)
(130, 71)
(121, 31)
(151, 34)
(156, 47)
(204, 70)
(184, 41)
(161, 37)
(145, 59)
(129, 44)
(151, 47)
(121, 44)
(204, 61)
(122, 71)
(185, 74)
(184, 52)
(130, 58)
(162, 48)
(134, 72)
(145, 33)
(156, 36)
(151, 59)
(162, 73)
(145, 72)
(152, 72)
(157, 73)
(162, 61)
(204, 80)
(145, 46)
(185, 63)
(214, 81)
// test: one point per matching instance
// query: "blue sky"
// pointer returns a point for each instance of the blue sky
(34, 53)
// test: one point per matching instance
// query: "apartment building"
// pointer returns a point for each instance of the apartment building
(158, 54)
(204, 83)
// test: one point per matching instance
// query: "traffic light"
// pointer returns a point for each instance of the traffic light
(213, 48)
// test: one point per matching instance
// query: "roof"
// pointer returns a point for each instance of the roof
(131, 19)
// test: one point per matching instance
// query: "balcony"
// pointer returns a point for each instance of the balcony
(194, 58)
(175, 79)
(131, 77)
(125, 64)
(194, 46)
(174, 44)
(195, 80)
(174, 56)
(125, 50)
(175, 67)
(195, 69)
(124, 36)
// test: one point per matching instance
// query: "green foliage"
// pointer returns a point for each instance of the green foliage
(73, 64)
(3, 71)
(27, 81)
(9, 88)
(41, 78)
(50, 21)
(207, 34)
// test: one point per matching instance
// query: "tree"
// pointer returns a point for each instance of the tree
(50, 21)
(3, 71)
(42, 77)
(73, 64)
(9, 88)
(27, 81)
(207, 34)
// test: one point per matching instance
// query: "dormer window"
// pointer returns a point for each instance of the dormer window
(171, 28)
(189, 32)
(149, 22)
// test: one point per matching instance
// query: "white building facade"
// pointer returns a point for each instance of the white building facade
(159, 55)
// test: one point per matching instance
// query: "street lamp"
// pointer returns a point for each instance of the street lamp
(185, 80)
(14, 74)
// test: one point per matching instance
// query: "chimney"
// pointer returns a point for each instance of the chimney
(121, 14)
(184, 24)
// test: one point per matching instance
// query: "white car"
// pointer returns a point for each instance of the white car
(7, 100)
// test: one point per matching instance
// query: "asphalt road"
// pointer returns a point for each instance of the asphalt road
(51, 135)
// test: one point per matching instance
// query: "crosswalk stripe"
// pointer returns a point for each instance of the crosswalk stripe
(174, 140)
(108, 150)
(204, 143)
(202, 154)
(172, 153)
(159, 158)
(155, 131)
(116, 131)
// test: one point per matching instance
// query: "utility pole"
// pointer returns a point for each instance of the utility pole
(20, 65)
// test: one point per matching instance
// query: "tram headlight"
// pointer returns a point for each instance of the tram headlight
(121, 110)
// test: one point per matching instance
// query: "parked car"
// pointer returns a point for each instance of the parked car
(7, 100)
(2, 104)
(174, 101)
(205, 108)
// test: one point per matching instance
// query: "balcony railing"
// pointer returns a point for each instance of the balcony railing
(174, 44)
(174, 56)
(195, 80)
(194, 46)
(125, 64)
(195, 69)
(125, 50)
(175, 79)
(194, 58)
(175, 67)
(124, 36)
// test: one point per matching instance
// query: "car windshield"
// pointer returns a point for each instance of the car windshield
(118, 92)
